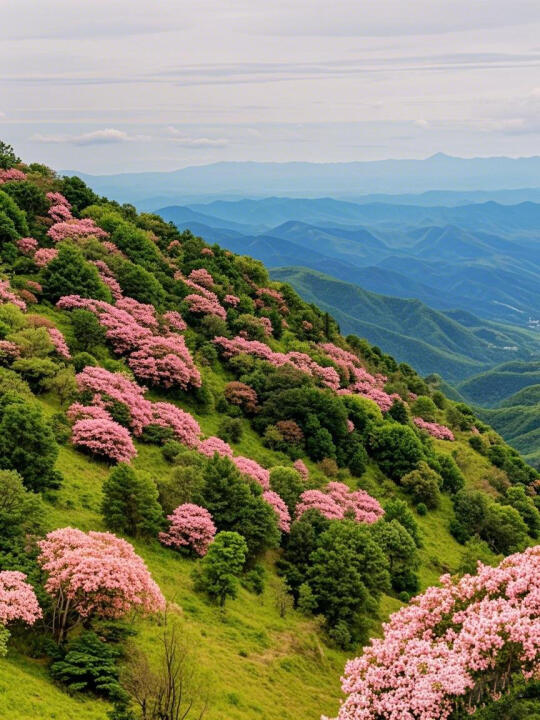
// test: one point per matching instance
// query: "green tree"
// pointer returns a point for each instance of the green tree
(400, 549)
(288, 484)
(237, 505)
(425, 408)
(453, 479)
(398, 412)
(130, 502)
(397, 449)
(87, 330)
(504, 529)
(470, 508)
(27, 445)
(69, 274)
(517, 497)
(138, 283)
(21, 512)
(400, 511)
(476, 550)
(8, 157)
(301, 542)
(218, 571)
(424, 485)
(347, 575)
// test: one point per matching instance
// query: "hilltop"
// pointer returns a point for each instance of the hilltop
(286, 487)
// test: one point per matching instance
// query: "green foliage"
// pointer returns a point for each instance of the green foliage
(396, 449)
(399, 510)
(8, 157)
(452, 477)
(288, 484)
(470, 508)
(237, 505)
(399, 548)
(524, 504)
(130, 502)
(398, 412)
(27, 445)
(139, 283)
(82, 360)
(183, 485)
(218, 571)
(70, 274)
(37, 372)
(78, 193)
(89, 665)
(347, 573)
(230, 430)
(425, 408)
(301, 542)
(475, 551)
(424, 485)
(87, 331)
(504, 529)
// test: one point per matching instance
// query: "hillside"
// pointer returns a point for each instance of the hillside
(287, 488)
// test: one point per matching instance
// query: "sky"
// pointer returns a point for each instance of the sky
(107, 86)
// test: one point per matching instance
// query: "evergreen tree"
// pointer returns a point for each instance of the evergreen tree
(130, 502)
(218, 571)
(69, 274)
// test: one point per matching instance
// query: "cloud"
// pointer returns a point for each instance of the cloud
(422, 123)
(195, 142)
(108, 136)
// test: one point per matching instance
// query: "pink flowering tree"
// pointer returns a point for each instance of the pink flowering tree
(213, 445)
(190, 527)
(253, 470)
(43, 256)
(165, 361)
(94, 574)
(301, 467)
(27, 245)
(105, 438)
(8, 296)
(452, 648)
(200, 305)
(18, 603)
(434, 429)
(279, 507)
(184, 426)
(11, 175)
(59, 342)
(338, 501)
(201, 276)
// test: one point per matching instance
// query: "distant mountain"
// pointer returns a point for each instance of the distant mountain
(252, 179)
(412, 332)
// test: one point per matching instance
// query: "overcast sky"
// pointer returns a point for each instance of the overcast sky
(121, 85)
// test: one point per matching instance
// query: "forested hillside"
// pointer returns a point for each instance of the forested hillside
(210, 498)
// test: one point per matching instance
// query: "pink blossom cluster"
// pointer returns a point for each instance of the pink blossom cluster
(78, 411)
(105, 438)
(200, 305)
(300, 361)
(270, 294)
(165, 361)
(201, 276)
(35, 286)
(231, 300)
(238, 393)
(111, 247)
(74, 228)
(207, 251)
(266, 326)
(9, 350)
(43, 256)
(143, 313)
(8, 296)
(190, 526)
(18, 600)
(27, 245)
(11, 175)
(279, 507)
(186, 429)
(434, 429)
(213, 445)
(199, 289)
(108, 279)
(338, 501)
(173, 245)
(452, 647)
(173, 322)
(96, 574)
(59, 342)
(252, 469)
(301, 468)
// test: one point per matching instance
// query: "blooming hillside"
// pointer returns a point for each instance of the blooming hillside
(186, 445)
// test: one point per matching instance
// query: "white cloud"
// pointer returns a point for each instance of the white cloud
(422, 123)
(195, 142)
(107, 136)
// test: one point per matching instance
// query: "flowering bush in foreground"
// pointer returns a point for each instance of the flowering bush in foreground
(17, 599)
(11, 175)
(438, 431)
(94, 574)
(190, 526)
(165, 361)
(105, 438)
(75, 229)
(453, 647)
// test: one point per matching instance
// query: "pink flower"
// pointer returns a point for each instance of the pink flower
(279, 507)
(201, 276)
(231, 300)
(43, 256)
(59, 343)
(76, 229)
(438, 431)
(190, 526)
(8, 296)
(173, 322)
(301, 468)
(186, 429)
(11, 175)
(165, 361)
(199, 304)
(105, 438)
(27, 245)
(18, 600)
(215, 445)
(252, 469)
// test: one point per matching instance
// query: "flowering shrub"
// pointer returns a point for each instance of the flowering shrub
(165, 361)
(266, 325)
(77, 411)
(198, 304)
(143, 313)
(279, 507)
(173, 322)
(338, 501)
(107, 387)
(17, 599)
(11, 175)
(238, 393)
(190, 526)
(60, 345)
(75, 229)
(300, 467)
(27, 245)
(213, 445)
(453, 647)
(94, 574)
(207, 251)
(231, 300)
(438, 431)
(252, 469)
(186, 429)
(9, 350)
(300, 361)
(202, 277)
(291, 432)
(8, 296)
(43, 256)
(106, 277)
(105, 438)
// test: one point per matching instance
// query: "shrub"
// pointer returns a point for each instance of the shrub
(130, 503)
(190, 527)
(231, 430)
(424, 485)
(70, 274)
(396, 449)
(218, 571)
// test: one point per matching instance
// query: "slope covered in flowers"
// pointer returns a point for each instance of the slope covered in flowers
(172, 395)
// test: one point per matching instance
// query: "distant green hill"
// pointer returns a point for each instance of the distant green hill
(495, 386)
